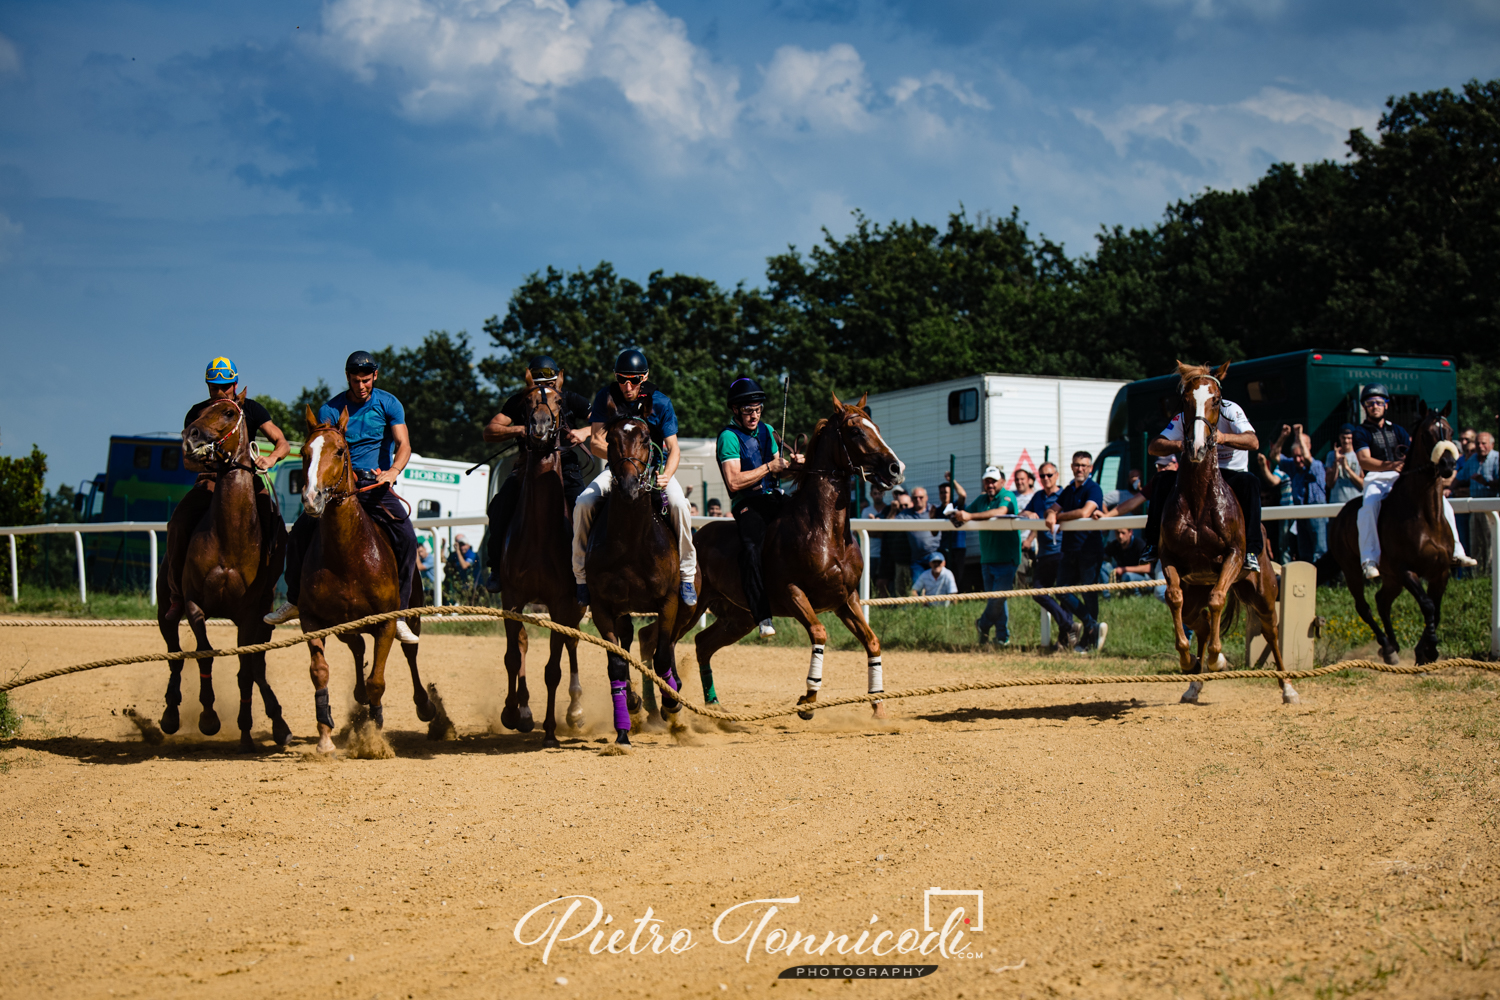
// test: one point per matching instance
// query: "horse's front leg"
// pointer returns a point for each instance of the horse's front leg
(619, 672)
(1260, 602)
(664, 661)
(553, 677)
(1426, 648)
(817, 634)
(1218, 598)
(171, 717)
(517, 711)
(208, 720)
(1184, 647)
(375, 686)
(1435, 590)
(318, 670)
(575, 687)
(853, 617)
(1390, 586)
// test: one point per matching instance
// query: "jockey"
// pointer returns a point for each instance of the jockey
(509, 425)
(379, 448)
(749, 459)
(1381, 449)
(630, 390)
(1235, 446)
(223, 379)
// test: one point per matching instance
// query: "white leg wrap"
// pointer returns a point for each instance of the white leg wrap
(815, 670)
(877, 678)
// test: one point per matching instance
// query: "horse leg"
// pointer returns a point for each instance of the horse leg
(1435, 591)
(1184, 648)
(318, 670)
(1390, 586)
(356, 644)
(375, 686)
(731, 624)
(620, 632)
(648, 655)
(1356, 585)
(664, 661)
(802, 610)
(553, 677)
(280, 731)
(171, 719)
(246, 635)
(1218, 597)
(426, 710)
(208, 720)
(516, 641)
(853, 618)
(1426, 648)
(575, 688)
(1259, 602)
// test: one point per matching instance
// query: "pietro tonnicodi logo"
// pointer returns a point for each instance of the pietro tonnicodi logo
(932, 901)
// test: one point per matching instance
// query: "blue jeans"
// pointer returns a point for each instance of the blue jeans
(997, 576)
(1080, 567)
(1312, 539)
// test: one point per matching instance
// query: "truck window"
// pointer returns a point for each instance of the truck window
(1107, 472)
(963, 406)
(296, 481)
(142, 456)
(171, 458)
(429, 508)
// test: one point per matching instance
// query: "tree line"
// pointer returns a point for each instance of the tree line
(1395, 250)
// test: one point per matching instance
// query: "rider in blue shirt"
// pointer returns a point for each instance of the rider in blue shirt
(379, 449)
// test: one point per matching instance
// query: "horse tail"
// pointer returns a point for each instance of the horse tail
(1231, 613)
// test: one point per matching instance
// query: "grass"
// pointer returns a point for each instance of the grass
(10, 722)
(43, 602)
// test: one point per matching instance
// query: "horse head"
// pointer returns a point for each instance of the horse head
(1432, 441)
(544, 415)
(866, 450)
(327, 473)
(1202, 392)
(628, 443)
(217, 436)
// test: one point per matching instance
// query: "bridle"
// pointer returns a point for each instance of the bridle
(544, 446)
(224, 457)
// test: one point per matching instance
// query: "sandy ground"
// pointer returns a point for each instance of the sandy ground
(1125, 845)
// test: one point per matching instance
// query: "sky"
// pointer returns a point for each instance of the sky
(286, 182)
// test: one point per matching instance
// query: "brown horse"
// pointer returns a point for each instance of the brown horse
(536, 565)
(632, 564)
(811, 561)
(1203, 540)
(349, 572)
(229, 570)
(1416, 544)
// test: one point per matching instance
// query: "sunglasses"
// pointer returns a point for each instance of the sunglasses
(362, 370)
(544, 374)
(629, 379)
(1048, 475)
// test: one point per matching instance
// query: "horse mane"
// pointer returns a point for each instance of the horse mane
(798, 473)
(1186, 371)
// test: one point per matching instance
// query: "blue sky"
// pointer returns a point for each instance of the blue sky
(288, 181)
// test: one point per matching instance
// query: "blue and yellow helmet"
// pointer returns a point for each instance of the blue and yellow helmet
(221, 371)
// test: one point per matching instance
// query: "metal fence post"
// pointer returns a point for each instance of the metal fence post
(152, 535)
(15, 579)
(1046, 635)
(83, 592)
(864, 576)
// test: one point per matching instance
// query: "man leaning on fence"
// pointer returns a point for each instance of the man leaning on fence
(1307, 479)
(999, 552)
(1082, 551)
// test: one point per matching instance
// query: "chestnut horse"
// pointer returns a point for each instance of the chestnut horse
(1203, 541)
(536, 565)
(349, 572)
(811, 560)
(632, 564)
(1416, 544)
(233, 558)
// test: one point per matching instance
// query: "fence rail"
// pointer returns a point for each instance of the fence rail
(1488, 507)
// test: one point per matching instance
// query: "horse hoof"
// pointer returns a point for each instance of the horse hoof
(804, 715)
(1190, 696)
(1391, 656)
(632, 701)
(1290, 697)
(525, 723)
(509, 717)
(326, 747)
(549, 742)
(377, 716)
(247, 745)
(622, 737)
(281, 732)
(879, 711)
(170, 720)
(427, 711)
(208, 722)
(575, 719)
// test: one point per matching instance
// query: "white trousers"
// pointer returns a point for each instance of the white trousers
(679, 513)
(1377, 485)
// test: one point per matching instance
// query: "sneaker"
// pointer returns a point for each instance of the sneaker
(1465, 561)
(1085, 646)
(1099, 639)
(1371, 570)
(282, 615)
(1148, 554)
(583, 594)
(689, 595)
(1075, 632)
(404, 632)
(767, 629)
(984, 637)
(1252, 563)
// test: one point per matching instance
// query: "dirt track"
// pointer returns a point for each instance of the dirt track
(1126, 845)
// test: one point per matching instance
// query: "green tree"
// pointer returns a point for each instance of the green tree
(446, 404)
(22, 501)
(291, 420)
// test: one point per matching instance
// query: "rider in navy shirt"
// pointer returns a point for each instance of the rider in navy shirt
(1082, 551)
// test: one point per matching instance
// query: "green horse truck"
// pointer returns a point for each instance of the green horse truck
(1318, 389)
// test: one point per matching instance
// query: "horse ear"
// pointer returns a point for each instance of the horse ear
(312, 419)
(240, 399)
(530, 382)
(560, 375)
(344, 420)
(646, 405)
(838, 404)
(861, 404)
(1223, 370)
(1447, 409)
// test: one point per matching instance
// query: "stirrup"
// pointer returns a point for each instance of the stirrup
(767, 629)
(283, 614)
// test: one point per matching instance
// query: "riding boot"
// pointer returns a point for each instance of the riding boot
(297, 541)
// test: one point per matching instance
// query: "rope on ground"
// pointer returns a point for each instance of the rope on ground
(364, 624)
(436, 619)
(1081, 588)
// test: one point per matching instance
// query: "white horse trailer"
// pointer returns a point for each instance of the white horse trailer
(1013, 421)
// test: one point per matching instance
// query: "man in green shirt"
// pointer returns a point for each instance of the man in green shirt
(999, 552)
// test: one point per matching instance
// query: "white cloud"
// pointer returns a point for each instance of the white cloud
(10, 57)
(515, 58)
(817, 90)
(909, 86)
(1232, 143)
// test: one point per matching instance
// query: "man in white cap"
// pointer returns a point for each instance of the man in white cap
(999, 551)
(936, 581)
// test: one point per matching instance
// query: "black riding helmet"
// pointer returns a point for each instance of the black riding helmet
(631, 362)
(361, 363)
(745, 391)
(543, 368)
(1373, 390)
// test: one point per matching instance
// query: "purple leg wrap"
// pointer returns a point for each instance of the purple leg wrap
(622, 714)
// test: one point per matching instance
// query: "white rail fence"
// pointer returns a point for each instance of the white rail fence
(1488, 508)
